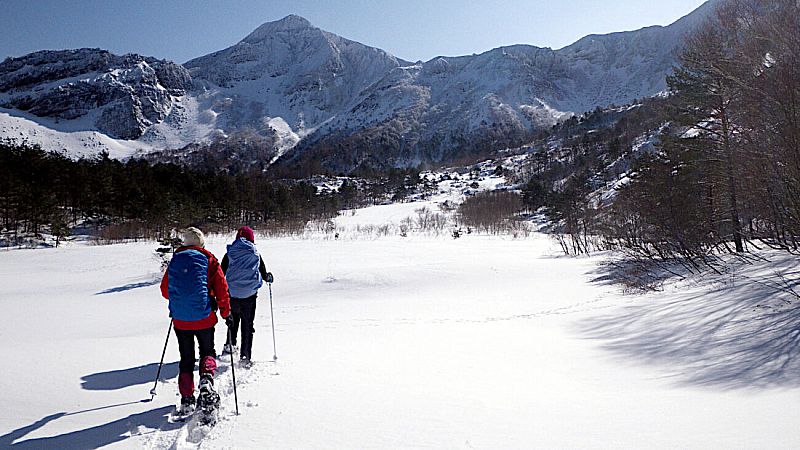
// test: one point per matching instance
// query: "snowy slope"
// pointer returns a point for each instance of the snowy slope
(76, 143)
(616, 68)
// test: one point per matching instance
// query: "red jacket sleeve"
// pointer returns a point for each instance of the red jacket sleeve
(217, 282)
(165, 286)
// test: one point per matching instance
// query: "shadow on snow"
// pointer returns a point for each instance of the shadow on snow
(128, 287)
(118, 379)
(739, 331)
(93, 437)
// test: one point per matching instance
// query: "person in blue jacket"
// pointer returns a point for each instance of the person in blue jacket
(195, 286)
(245, 272)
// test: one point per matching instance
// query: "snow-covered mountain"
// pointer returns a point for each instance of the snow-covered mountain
(292, 70)
(287, 78)
(441, 109)
(335, 103)
(120, 96)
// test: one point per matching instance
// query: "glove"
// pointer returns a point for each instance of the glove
(229, 320)
(270, 279)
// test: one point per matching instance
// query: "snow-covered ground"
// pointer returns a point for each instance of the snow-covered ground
(424, 341)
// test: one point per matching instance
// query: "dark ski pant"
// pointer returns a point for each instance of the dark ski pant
(208, 363)
(244, 312)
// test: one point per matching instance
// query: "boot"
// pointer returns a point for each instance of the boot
(208, 399)
(245, 362)
(187, 405)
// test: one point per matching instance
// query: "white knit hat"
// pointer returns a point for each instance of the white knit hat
(193, 236)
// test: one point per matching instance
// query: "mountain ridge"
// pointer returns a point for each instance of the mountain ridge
(320, 97)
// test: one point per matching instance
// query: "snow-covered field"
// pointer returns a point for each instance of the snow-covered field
(434, 342)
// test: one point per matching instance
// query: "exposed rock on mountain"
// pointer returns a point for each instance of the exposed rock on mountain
(121, 95)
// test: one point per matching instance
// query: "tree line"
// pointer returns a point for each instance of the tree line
(47, 192)
(726, 175)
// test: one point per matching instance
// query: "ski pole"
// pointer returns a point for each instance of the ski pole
(233, 373)
(163, 352)
(272, 317)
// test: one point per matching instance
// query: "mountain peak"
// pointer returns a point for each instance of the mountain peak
(291, 22)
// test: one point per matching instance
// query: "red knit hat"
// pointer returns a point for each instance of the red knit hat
(247, 233)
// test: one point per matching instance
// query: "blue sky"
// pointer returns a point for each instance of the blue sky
(410, 29)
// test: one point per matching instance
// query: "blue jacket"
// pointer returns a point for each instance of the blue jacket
(243, 275)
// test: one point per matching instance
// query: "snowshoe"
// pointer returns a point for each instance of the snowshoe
(185, 409)
(208, 401)
(228, 349)
(245, 362)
